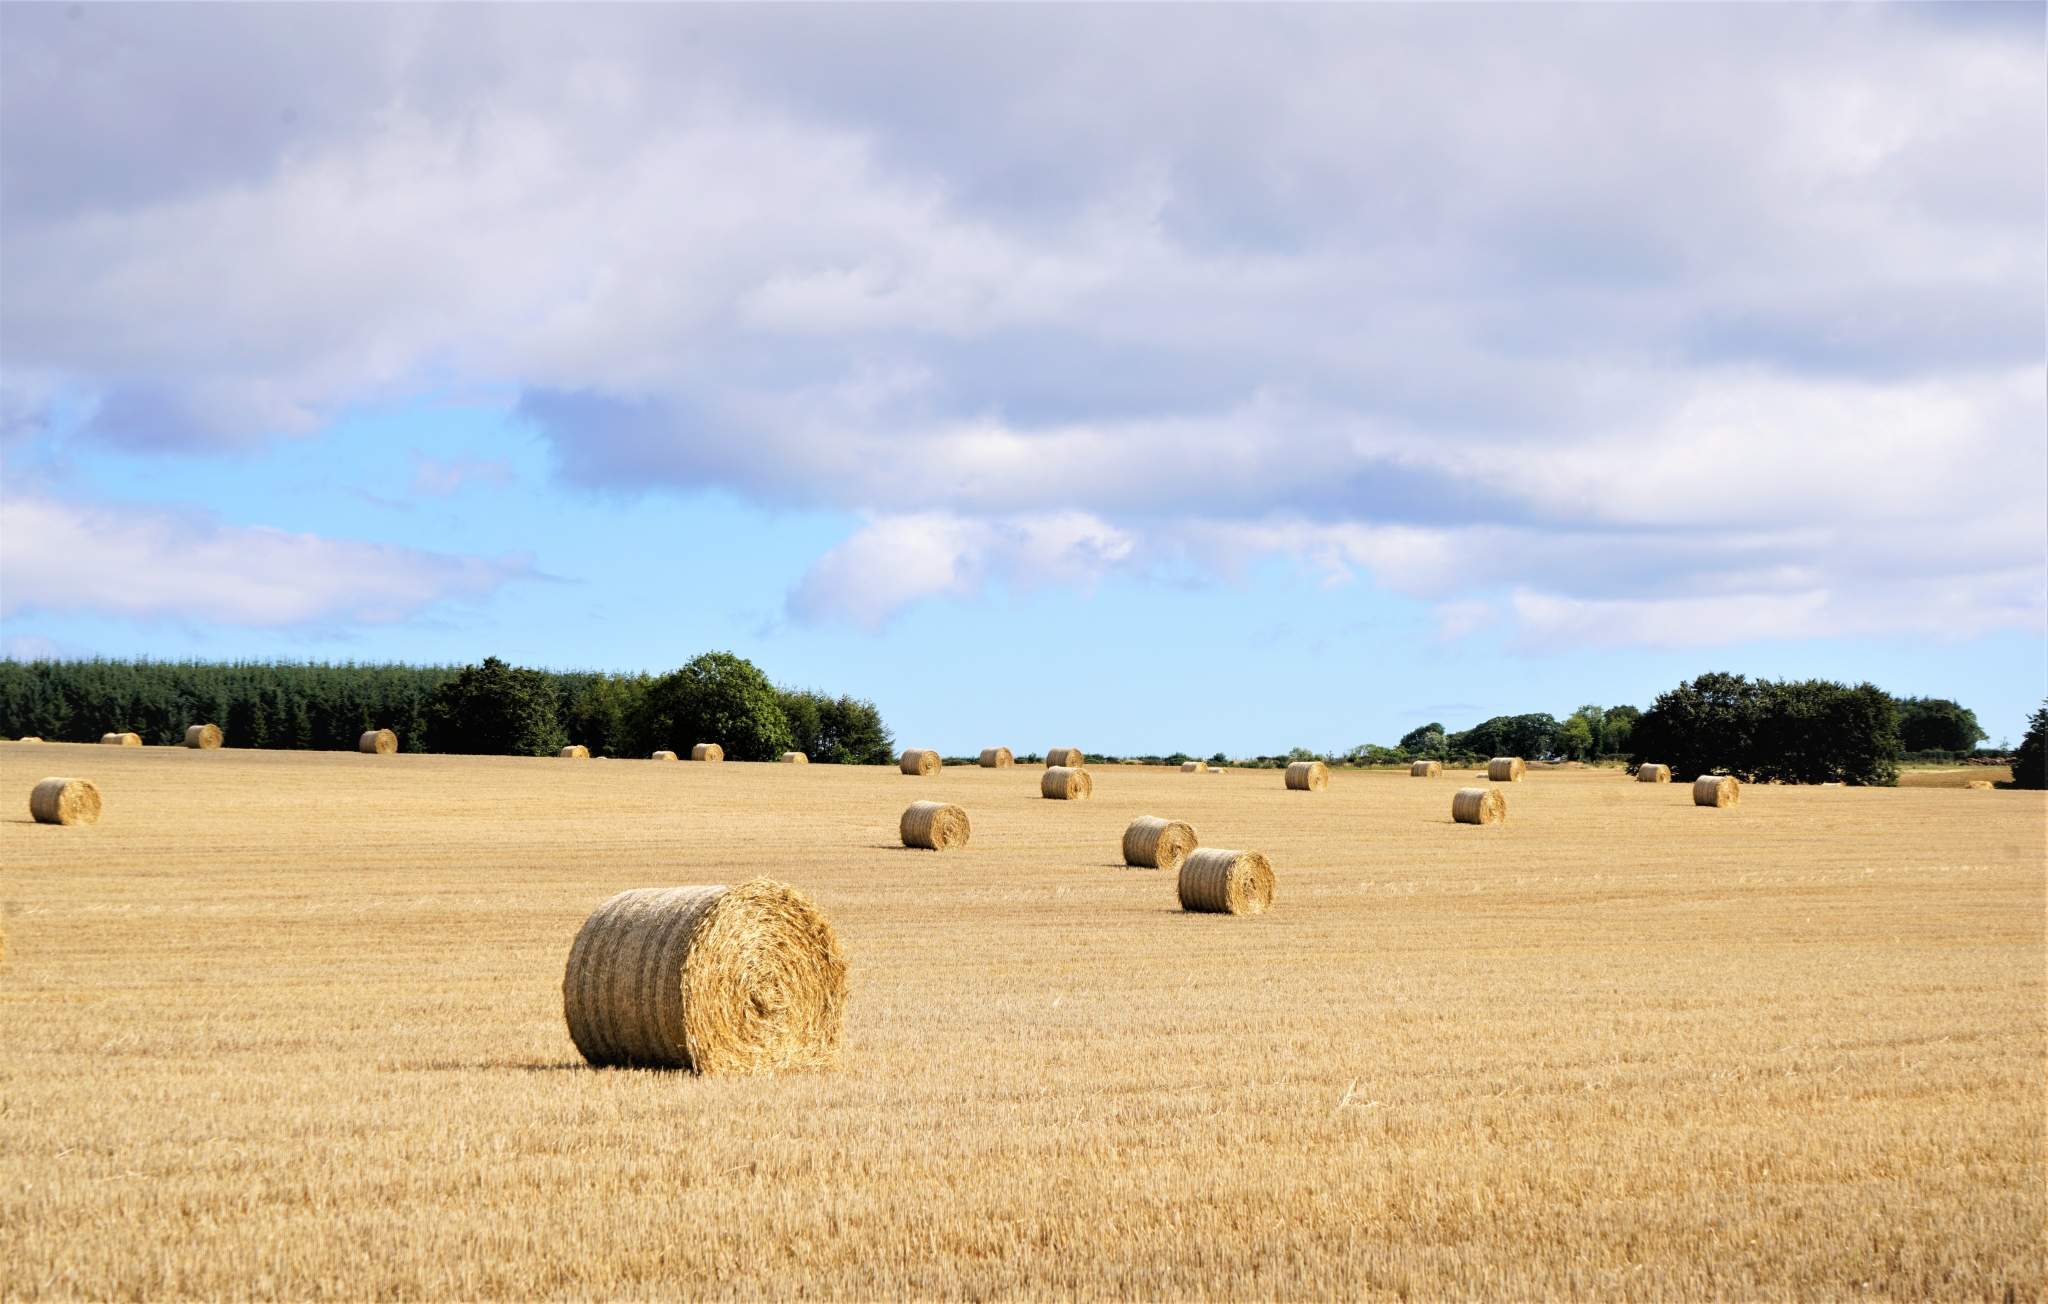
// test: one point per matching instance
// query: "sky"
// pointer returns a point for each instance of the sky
(1140, 377)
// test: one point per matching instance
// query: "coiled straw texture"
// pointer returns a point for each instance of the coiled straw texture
(378, 742)
(1072, 757)
(575, 752)
(1214, 881)
(1308, 776)
(1155, 843)
(920, 760)
(997, 758)
(1647, 773)
(747, 979)
(203, 736)
(934, 825)
(1426, 770)
(1194, 767)
(1066, 783)
(65, 801)
(795, 758)
(1479, 806)
(121, 739)
(707, 752)
(1505, 769)
(1716, 790)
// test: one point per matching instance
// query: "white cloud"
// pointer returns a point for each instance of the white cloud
(151, 564)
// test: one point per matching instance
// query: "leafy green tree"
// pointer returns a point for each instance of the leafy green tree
(1935, 724)
(715, 698)
(1576, 740)
(600, 711)
(1533, 737)
(1617, 724)
(496, 710)
(1702, 727)
(837, 730)
(2030, 766)
(1818, 731)
(1427, 741)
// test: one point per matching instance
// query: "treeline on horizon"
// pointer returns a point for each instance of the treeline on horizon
(489, 709)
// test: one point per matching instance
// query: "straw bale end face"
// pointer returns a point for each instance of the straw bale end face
(1215, 881)
(1066, 783)
(575, 752)
(1505, 769)
(1308, 776)
(378, 742)
(121, 739)
(1651, 773)
(206, 737)
(997, 758)
(1426, 770)
(934, 826)
(707, 752)
(1154, 843)
(664, 756)
(1716, 790)
(747, 979)
(920, 761)
(1070, 757)
(795, 758)
(1479, 806)
(65, 801)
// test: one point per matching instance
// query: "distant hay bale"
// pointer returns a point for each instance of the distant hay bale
(203, 736)
(121, 739)
(1982, 784)
(1479, 806)
(1426, 770)
(920, 760)
(574, 752)
(1308, 776)
(795, 758)
(746, 979)
(1194, 767)
(1716, 790)
(664, 756)
(1214, 881)
(934, 825)
(707, 752)
(997, 758)
(1647, 773)
(30, 739)
(65, 801)
(1154, 843)
(1505, 769)
(379, 742)
(1071, 757)
(1066, 783)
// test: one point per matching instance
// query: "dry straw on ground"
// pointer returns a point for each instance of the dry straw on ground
(1426, 770)
(934, 825)
(663, 756)
(747, 979)
(1716, 790)
(203, 736)
(1479, 806)
(121, 739)
(1505, 769)
(1194, 767)
(707, 752)
(1308, 776)
(920, 760)
(65, 801)
(1066, 783)
(1071, 757)
(997, 758)
(379, 742)
(1155, 843)
(795, 758)
(1650, 773)
(574, 752)
(1214, 881)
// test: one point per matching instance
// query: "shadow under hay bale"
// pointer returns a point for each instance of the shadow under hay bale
(1154, 843)
(1479, 806)
(205, 737)
(997, 758)
(1215, 881)
(1505, 769)
(378, 742)
(1066, 783)
(1308, 776)
(1649, 773)
(64, 801)
(934, 826)
(1426, 770)
(707, 752)
(747, 979)
(920, 761)
(1716, 790)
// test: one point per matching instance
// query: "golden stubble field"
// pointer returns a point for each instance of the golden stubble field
(289, 1025)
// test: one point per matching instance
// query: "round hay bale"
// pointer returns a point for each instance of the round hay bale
(1154, 843)
(1194, 767)
(1716, 790)
(121, 739)
(203, 736)
(707, 752)
(1066, 783)
(1505, 769)
(1479, 806)
(1071, 757)
(29, 739)
(1982, 785)
(65, 801)
(934, 826)
(1648, 773)
(378, 742)
(1308, 776)
(663, 756)
(574, 752)
(1214, 881)
(920, 761)
(1426, 770)
(795, 758)
(997, 758)
(746, 979)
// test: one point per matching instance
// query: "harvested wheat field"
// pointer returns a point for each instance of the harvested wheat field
(290, 1025)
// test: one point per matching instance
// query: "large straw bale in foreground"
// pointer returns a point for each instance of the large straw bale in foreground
(379, 742)
(663, 756)
(121, 739)
(1071, 757)
(745, 979)
(934, 825)
(1155, 843)
(1066, 783)
(1215, 881)
(1194, 767)
(203, 736)
(707, 752)
(997, 758)
(920, 760)
(574, 752)
(1648, 773)
(1479, 806)
(1426, 770)
(65, 801)
(1505, 769)
(1716, 790)
(1308, 776)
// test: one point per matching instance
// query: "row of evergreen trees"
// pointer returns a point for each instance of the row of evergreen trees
(491, 709)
